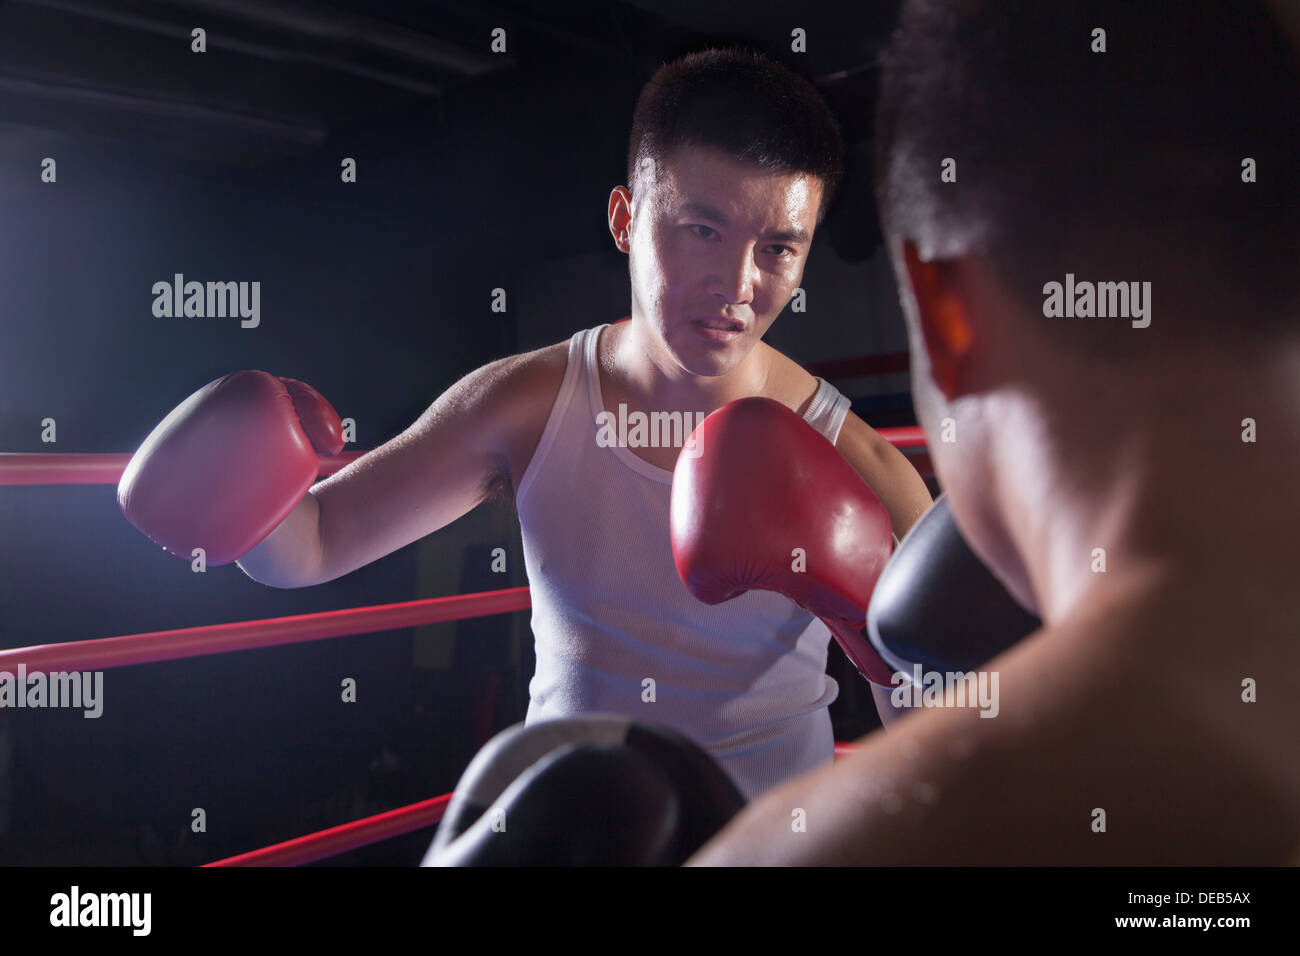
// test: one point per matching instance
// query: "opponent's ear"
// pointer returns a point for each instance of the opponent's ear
(620, 217)
(944, 317)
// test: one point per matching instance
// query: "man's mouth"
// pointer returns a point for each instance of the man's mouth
(721, 324)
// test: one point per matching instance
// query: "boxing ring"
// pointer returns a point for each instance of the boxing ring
(147, 648)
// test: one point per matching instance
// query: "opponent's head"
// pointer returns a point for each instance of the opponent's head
(1021, 143)
(732, 162)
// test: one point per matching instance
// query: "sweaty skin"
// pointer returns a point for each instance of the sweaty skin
(1151, 720)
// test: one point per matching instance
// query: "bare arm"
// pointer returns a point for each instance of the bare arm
(891, 476)
(434, 472)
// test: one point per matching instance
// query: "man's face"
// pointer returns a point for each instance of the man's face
(717, 248)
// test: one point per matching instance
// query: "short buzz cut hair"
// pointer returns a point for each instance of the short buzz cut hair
(1126, 164)
(745, 103)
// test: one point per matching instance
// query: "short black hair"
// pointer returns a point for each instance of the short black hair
(743, 102)
(1126, 164)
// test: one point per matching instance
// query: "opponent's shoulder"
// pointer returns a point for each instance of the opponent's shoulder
(1193, 654)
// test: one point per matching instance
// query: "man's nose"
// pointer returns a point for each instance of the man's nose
(737, 274)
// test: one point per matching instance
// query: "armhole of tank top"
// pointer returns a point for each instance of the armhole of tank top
(563, 396)
(833, 405)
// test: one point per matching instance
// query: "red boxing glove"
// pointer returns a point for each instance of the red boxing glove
(229, 464)
(760, 482)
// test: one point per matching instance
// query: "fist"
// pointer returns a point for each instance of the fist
(765, 487)
(228, 464)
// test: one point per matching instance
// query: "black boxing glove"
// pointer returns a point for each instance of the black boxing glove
(936, 605)
(597, 790)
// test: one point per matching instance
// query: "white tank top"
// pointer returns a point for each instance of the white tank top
(745, 679)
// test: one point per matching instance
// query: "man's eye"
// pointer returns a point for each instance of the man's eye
(705, 232)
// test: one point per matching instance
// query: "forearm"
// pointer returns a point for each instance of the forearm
(290, 556)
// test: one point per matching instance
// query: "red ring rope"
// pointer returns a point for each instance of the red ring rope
(341, 839)
(359, 833)
(67, 469)
(107, 652)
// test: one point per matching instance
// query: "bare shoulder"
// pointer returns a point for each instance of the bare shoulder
(1214, 637)
(523, 388)
(1101, 750)
(794, 386)
(788, 382)
(444, 464)
(518, 376)
(1157, 697)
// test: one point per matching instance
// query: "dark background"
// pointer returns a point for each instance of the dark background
(475, 171)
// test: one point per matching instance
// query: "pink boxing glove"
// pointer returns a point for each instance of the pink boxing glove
(228, 464)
